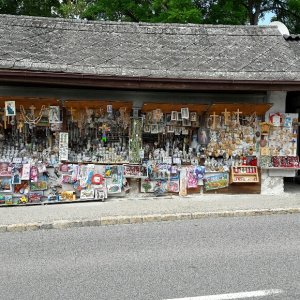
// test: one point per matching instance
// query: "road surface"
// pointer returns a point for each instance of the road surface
(220, 258)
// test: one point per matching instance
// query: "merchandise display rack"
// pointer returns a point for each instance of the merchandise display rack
(244, 174)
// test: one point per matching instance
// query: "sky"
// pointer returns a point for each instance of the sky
(266, 20)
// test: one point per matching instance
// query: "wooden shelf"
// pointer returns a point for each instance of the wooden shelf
(244, 174)
(281, 168)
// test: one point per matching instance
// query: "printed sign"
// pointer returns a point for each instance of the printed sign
(63, 146)
(216, 181)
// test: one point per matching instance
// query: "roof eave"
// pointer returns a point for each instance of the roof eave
(59, 79)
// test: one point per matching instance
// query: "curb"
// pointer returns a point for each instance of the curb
(119, 220)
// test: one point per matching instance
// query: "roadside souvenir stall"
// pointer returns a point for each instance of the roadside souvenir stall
(55, 151)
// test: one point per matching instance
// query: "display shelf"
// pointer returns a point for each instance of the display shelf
(137, 177)
(280, 168)
(46, 202)
(96, 163)
(244, 174)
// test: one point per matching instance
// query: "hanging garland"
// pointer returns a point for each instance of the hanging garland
(32, 120)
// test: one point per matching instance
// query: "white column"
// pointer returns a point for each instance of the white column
(273, 185)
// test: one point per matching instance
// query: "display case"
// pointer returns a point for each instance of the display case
(244, 174)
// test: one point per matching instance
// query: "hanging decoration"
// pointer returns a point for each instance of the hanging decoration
(30, 118)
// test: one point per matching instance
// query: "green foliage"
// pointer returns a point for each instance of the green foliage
(175, 11)
(290, 16)
(42, 8)
(169, 11)
(72, 9)
(230, 12)
(119, 10)
(8, 7)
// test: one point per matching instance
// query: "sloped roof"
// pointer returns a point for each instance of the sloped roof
(146, 50)
(294, 42)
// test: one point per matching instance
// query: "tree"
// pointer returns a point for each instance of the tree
(250, 11)
(175, 11)
(170, 11)
(42, 8)
(290, 16)
(236, 12)
(119, 10)
(73, 9)
(230, 12)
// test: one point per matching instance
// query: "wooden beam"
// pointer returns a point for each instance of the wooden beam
(142, 83)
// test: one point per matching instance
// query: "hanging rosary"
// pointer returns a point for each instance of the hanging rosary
(30, 119)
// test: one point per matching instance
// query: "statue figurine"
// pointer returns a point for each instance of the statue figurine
(194, 143)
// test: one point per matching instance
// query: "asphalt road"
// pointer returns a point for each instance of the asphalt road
(166, 260)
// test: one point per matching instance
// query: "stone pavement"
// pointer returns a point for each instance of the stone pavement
(143, 209)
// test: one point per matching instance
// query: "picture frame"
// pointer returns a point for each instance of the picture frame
(56, 126)
(109, 108)
(168, 118)
(10, 108)
(154, 128)
(184, 131)
(16, 178)
(193, 116)
(177, 130)
(5, 169)
(179, 116)
(170, 129)
(87, 194)
(5, 185)
(161, 128)
(54, 114)
(185, 113)
(174, 115)
(146, 128)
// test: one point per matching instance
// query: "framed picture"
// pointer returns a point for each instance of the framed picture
(154, 128)
(193, 116)
(54, 114)
(16, 178)
(179, 116)
(203, 136)
(174, 116)
(168, 119)
(87, 194)
(101, 194)
(109, 108)
(146, 128)
(10, 108)
(56, 126)
(185, 131)
(185, 113)
(5, 169)
(177, 130)
(170, 129)
(161, 128)
(5, 184)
